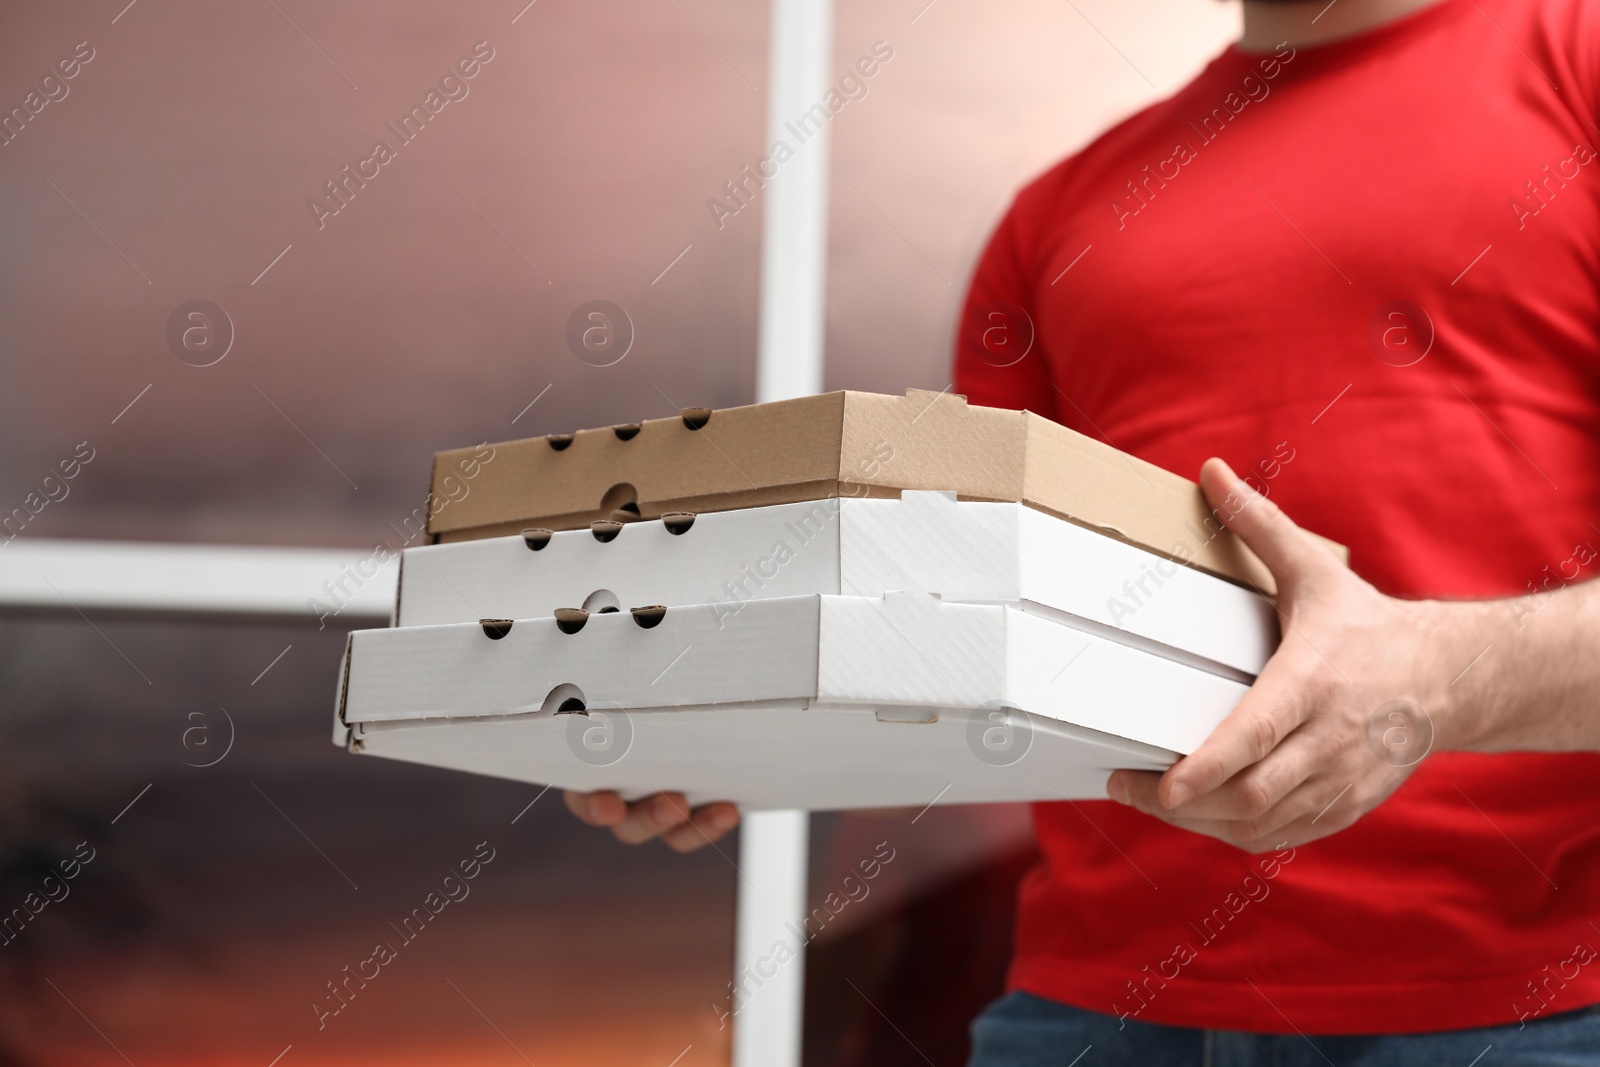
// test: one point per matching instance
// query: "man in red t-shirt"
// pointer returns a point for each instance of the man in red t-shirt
(1359, 257)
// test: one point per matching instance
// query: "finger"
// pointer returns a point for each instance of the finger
(604, 808)
(1245, 837)
(1315, 810)
(650, 818)
(704, 826)
(1301, 816)
(1326, 810)
(1250, 794)
(1289, 552)
(1270, 710)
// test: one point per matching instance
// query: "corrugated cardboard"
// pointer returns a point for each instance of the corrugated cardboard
(924, 541)
(817, 702)
(835, 444)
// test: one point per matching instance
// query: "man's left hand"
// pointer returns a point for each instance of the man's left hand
(1296, 759)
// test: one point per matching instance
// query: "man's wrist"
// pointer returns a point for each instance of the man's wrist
(1463, 636)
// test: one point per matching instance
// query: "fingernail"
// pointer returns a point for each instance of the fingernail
(1117, 788)
(1237, 483)
(723, 819)
(1178, 795)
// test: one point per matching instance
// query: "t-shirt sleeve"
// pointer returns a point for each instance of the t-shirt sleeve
(999, 360)
(1568, 31)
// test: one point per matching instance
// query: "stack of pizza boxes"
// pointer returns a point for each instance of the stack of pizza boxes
(840, 601)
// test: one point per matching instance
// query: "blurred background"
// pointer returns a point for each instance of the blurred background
(179, 164)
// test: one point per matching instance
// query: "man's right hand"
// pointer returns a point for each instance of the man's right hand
(665, 815)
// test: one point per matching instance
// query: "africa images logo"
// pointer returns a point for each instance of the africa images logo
(199, 332)
(999, 737)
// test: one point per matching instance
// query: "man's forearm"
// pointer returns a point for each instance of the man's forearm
(1528, 673)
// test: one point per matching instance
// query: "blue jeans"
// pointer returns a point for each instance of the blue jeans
(1022, 1030)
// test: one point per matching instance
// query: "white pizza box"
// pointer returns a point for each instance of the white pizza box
(926, 541)
(818, 702)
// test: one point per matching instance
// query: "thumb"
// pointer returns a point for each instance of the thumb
(1289, 552)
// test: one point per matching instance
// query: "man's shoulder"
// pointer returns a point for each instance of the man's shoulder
(1130, 140)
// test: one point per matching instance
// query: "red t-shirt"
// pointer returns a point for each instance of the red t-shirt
(1365, 274)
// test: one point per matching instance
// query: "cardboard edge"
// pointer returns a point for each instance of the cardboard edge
(711, 504)
(422, 722)
(1262, 583)
(808, 696)
(965, 461)
(343, 733)
(430, 533)
(1113, 743)
(399, 588)
(445, 525)
(1149, 645)
(1252, 573)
